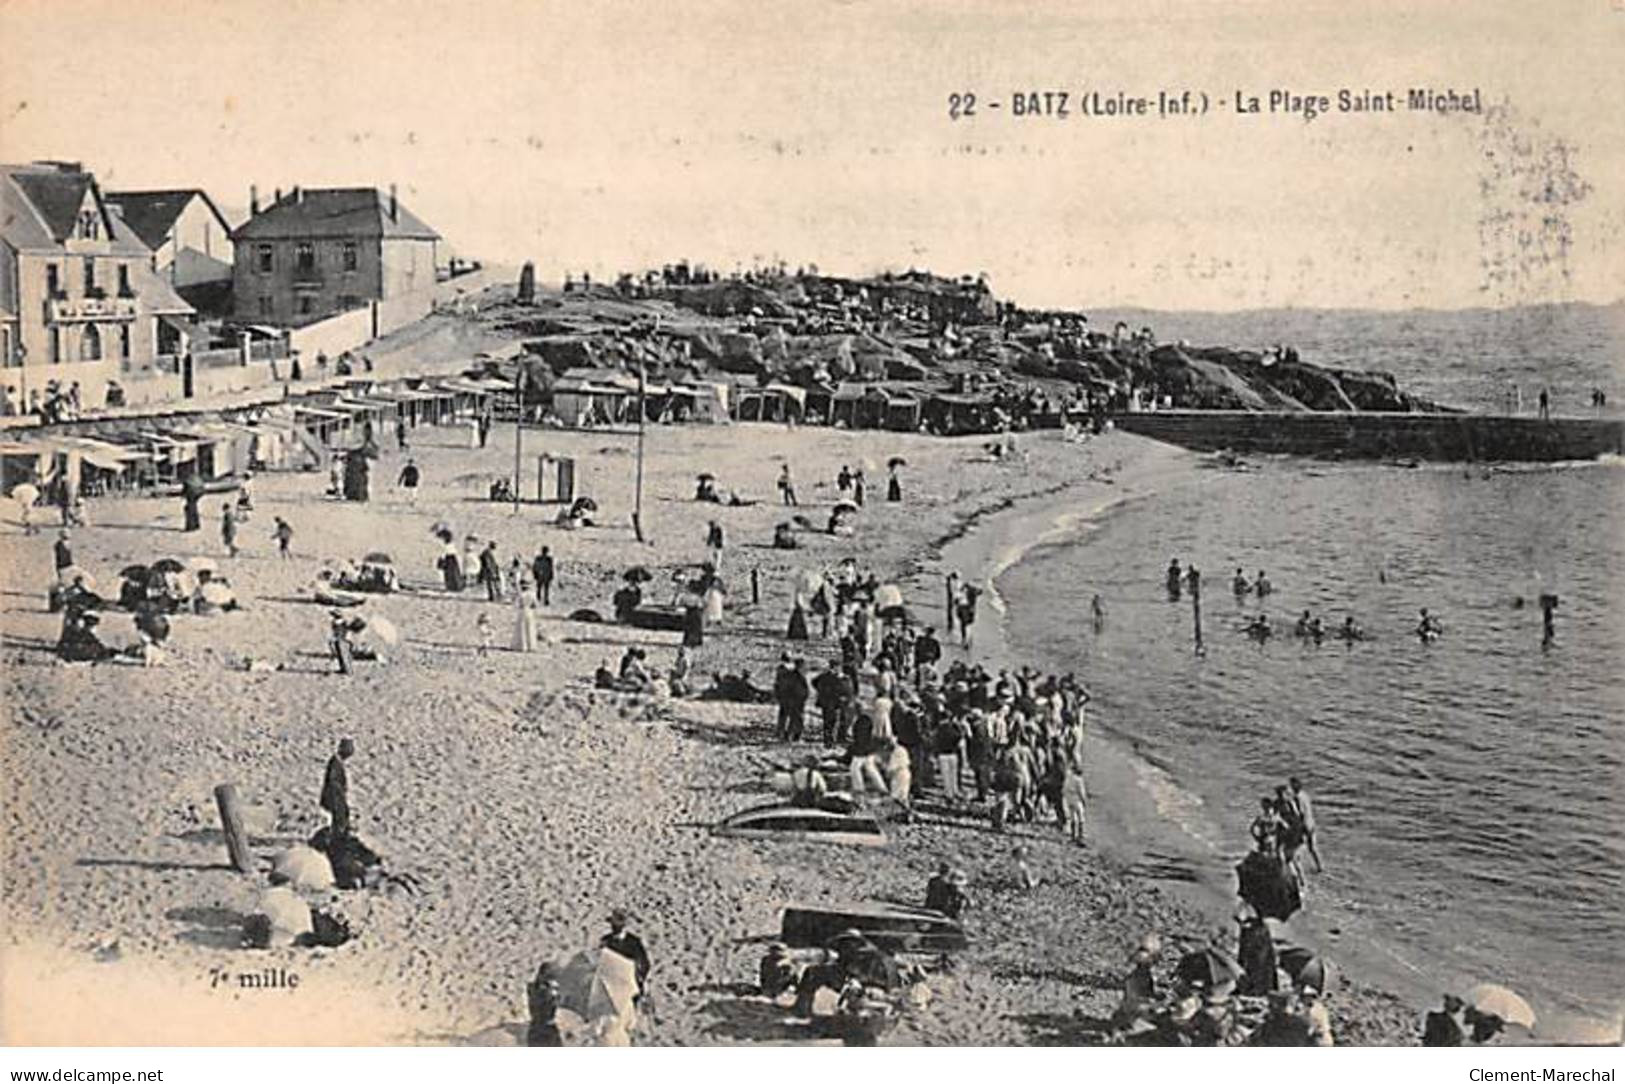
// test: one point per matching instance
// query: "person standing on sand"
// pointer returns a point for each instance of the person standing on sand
(967, 613)
(410, 476)
(339, 630)
(228, 529)
(541, 569)
(524, 632)
(64, 556)
(336, 791)
(623, 942)
(400, 433)
(951, 590)
(857, 487)
(283, 534)
(894, 486)
(1305, 817)
(787, 487)
(491, 573)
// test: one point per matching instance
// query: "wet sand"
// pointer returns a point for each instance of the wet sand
(526, 802)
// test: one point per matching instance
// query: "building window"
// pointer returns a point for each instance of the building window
(306, 306)
(349, 301)
(124, 341)
(89, 225)
(124, 281)
(265, 306)
(263, 258)
(90, 276)
(90, 344)
(56, 346)
(304, 256)
(352, 257)
(53, 281)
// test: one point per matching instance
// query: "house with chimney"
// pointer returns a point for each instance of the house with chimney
(189, 237)
(316, 252)
(79, 300)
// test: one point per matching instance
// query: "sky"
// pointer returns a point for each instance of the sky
(614, 136)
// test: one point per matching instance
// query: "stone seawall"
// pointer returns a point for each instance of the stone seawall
(1327, 435)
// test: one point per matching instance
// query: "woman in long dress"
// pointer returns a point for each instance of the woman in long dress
(524, 631)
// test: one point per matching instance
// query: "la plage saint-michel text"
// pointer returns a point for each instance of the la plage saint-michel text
(1274, 102)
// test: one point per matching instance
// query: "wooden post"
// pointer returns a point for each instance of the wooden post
(637, 498)
(231, 822)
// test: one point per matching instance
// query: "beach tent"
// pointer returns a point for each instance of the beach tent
(704, 402)
(579, 402)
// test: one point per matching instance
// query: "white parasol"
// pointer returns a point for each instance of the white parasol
(25, 493)
(888, 595)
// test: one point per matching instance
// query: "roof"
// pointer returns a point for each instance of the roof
(151, 214)
(39, 208)
(333, 212)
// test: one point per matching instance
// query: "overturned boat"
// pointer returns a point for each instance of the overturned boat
(804, 824)
(891, 926)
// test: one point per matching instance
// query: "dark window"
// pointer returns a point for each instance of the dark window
(349, 301)
(352, 258)
(124, 281)
(90, 275)
(263, 253)
(124, 341)
(56, 346)
(265, 306)
(53, 282)
(304, 256)
(89, 225)
(305, 306)
(90, 344)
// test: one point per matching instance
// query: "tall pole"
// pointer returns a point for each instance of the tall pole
(637, 505)
(518, 432)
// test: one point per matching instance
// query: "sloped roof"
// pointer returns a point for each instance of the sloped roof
(152, 213)
(39, 208)
(334, 212)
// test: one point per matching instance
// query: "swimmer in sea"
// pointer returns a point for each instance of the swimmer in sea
(1259, 628)
(1304, 625)
(1428, 627)
(1175, 576)
(1239, 585)
(1097, 607)
(1351, 630)
(1317, 631)
(1262, 584)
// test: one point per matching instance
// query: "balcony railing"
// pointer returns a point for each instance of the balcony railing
(66, 309)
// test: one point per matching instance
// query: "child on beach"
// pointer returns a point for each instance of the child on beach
(284, 537)
(483, 626)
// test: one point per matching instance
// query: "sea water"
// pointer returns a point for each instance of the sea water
(1468, 791)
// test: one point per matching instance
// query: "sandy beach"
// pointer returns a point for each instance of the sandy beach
(526, 802)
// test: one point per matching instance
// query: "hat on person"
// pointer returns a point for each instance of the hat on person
(1452, 1003)
(618, 916)
(957, 876)
(1150, 947)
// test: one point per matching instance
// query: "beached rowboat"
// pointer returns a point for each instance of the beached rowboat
(782, 821)
(893, 927)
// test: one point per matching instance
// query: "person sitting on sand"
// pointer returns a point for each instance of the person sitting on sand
(677, 677)
(807, 785)
(1139, 985)
(1446, 1026)
(778, 971)
(635, 676)
(945, 892)
(542, 994)
(78, 641)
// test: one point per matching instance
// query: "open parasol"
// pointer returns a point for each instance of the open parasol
(637, 574)
(138, 573)
(216, 593)
(888, 595)
(384, 629)
(1305, 967)
(707, 476)
(153, 622)
(168, 564)
(583, 504)
(377, 557)
(1208, 967)
(844, 508)
(896, 461)
(25, 493)
(1497, 1001)
(598, 984)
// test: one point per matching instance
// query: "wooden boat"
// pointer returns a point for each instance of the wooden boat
(893, 927)
(802, 824)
